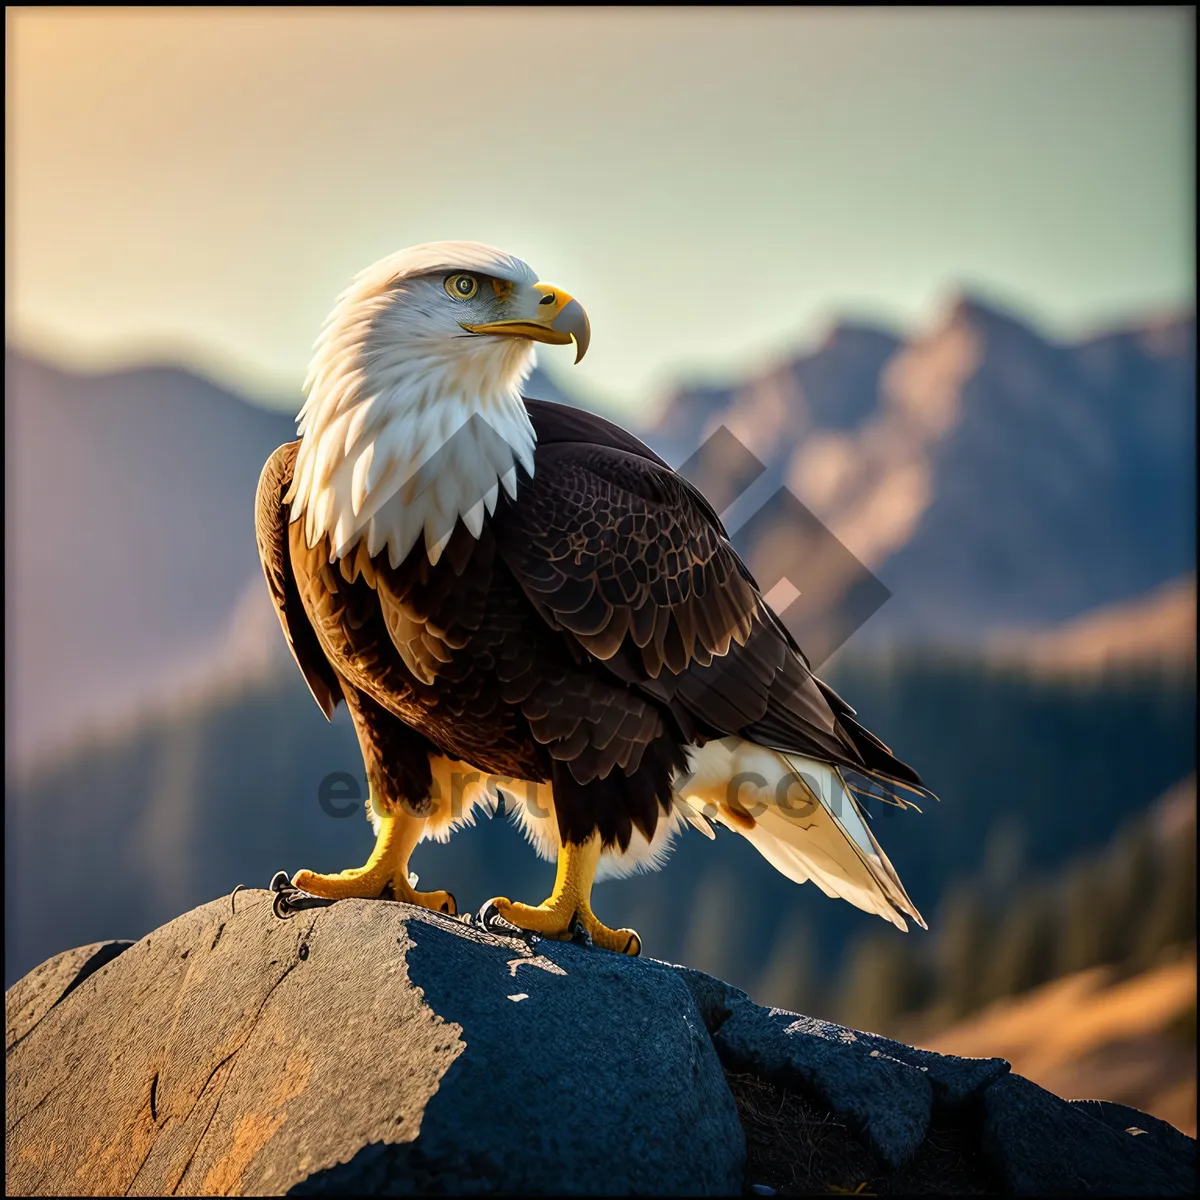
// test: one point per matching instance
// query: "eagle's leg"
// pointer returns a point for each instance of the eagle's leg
(385, 874)
(399, 778)
(570, 902)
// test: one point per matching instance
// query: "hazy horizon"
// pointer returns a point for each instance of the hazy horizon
(216, 369)
(715, 186)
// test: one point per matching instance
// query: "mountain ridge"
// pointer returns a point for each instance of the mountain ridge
(992, 476)
(989, 477)
(155, 469)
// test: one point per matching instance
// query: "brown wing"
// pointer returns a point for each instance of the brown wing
(444, 649)
(610, 548)
(629, 561)
(271, 532)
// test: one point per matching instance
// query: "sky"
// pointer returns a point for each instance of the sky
(715, 186)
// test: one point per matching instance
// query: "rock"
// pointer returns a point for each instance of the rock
(889, 1101)
(371, 1047)
(797, 1147)
(886, 1090)
(1039, 1144)
(31, 998)
(368, 1045)
(1159, 1133)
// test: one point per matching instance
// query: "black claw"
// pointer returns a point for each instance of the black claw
(289, 899)
(579, 933)
(490, 921)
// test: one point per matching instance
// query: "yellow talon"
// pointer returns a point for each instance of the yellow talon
(386, 868)
(570, 901)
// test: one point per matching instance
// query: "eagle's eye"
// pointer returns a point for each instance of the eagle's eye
(461, 287)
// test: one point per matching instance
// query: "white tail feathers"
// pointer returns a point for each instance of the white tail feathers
(801, 817)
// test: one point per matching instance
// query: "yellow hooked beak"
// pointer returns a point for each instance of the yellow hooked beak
(556, 317)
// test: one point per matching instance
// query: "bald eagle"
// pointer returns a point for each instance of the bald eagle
(519, 598)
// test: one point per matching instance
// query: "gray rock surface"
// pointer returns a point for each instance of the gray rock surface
(1066, 1152)
(884, 1089)
(1158, 1133)
(370, 1047)
(367, 1045)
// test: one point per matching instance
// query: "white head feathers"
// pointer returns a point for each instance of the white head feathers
(409, 422)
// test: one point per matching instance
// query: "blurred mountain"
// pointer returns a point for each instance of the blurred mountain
(834, 388)
(115, 837)
(130, 543)
(133, 578)
(1157, 628)
(988, 476)
(1090, 1034)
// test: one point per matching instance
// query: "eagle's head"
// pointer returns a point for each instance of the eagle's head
(420, 348)
(445, 309)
